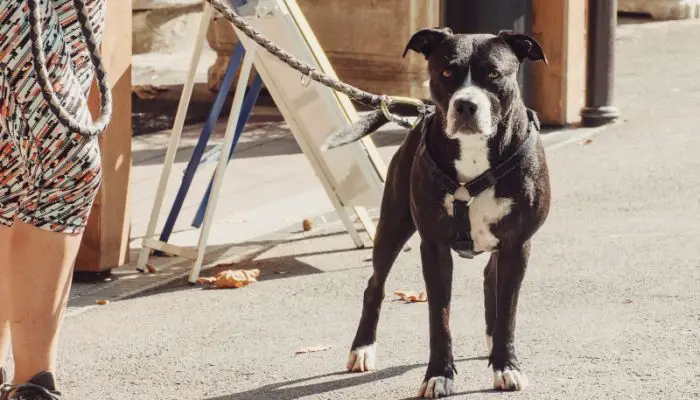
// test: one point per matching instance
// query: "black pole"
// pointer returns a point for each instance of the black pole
(602, 21)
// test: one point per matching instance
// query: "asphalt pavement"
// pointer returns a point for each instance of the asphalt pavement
(610, 306)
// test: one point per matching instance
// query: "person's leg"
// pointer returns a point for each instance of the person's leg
(5, 235)
(36, 319)
(46, 237)
(63, 171)
(12, 188)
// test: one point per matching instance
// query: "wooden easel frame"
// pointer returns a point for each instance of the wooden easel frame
(353, 177)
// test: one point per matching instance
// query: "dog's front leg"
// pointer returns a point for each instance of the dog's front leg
(394, 229)
(437, 272)
(511, 266)
(490, 296)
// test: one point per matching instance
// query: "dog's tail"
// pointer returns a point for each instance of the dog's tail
(361, 128)
(366, 126)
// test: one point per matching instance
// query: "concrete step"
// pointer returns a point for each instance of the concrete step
(662, 9)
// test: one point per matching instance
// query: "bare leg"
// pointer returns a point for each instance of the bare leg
(36, 319)
(5, 235)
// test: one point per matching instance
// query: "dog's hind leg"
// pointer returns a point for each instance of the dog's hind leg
(490, 298)
(511, 264)
(394, 229)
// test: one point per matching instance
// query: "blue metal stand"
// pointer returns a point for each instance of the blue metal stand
(209, 125)
(246, 108)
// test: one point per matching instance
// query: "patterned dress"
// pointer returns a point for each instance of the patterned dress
(49, 176)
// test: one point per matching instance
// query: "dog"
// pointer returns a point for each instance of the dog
(470, 177)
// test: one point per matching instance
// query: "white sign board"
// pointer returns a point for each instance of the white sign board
(356, 172)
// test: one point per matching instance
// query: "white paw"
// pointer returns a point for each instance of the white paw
(363, 358)
(489, 343)
(436, 387)
(509, 379)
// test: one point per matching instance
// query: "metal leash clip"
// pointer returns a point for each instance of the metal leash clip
(387, 101)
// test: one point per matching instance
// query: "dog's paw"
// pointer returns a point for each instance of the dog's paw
(436, 387)
(509, 379)
(363, 358)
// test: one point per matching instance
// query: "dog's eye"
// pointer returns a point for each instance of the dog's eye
(494, 74)
(447, 73)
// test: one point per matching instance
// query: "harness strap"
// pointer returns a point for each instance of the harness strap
(491, 176)
(463, 242)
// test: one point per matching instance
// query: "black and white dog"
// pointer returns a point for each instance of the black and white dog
(471, 177)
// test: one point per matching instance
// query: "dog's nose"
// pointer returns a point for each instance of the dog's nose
(465, 107)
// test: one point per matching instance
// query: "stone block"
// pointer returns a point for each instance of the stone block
(222, 39)
(363, 49)
(165, 29)
(364, 41)
(139, 5)
(662, 9)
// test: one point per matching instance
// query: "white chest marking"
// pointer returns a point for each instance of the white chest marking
(485, 208)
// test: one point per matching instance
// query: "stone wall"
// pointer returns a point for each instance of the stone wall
(165, 26)
(662, 9)
(222, 39)
(362, 47)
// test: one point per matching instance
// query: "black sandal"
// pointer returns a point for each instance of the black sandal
(40, 387)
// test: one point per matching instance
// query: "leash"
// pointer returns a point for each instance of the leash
(47, 90)
(382, 102)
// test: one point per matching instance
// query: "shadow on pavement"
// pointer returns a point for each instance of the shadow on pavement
(272, 268)
(264, 140)
(339, 380)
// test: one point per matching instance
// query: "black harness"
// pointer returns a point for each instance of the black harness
(462, 241)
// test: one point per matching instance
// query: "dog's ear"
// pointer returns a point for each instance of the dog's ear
(524, 46)
(425, 40)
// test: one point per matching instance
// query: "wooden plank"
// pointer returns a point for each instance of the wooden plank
(558, 90)
(106, 239)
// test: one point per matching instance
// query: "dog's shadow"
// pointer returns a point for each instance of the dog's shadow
(338, 380)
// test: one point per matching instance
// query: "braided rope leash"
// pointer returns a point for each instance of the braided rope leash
(64, 116)
(359, 95)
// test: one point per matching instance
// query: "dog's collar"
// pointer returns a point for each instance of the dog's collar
(462, 242)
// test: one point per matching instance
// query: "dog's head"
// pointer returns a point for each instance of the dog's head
(473, 78)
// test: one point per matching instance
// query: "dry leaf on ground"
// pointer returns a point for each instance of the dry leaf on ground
(150, 269)
(232, 278)
(307, 225)
(103, 302)
(412, 297)
(586, 141)
(312, 349)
